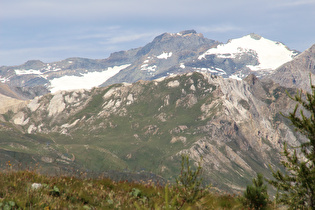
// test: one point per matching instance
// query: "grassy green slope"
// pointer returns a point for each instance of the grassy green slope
(143, 133)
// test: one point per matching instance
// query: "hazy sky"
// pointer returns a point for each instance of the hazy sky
(52, 30)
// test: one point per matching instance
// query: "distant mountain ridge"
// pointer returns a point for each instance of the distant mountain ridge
(167, 54)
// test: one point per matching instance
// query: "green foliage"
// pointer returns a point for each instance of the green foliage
(244, 104)
(7, 116)
(55, 191)
(8, 205)
(135, 192)
(189, 181)
(297, 186)
(256, 195)
(69, 192)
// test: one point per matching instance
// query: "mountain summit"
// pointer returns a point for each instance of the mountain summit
(249, 53)
(269, 54)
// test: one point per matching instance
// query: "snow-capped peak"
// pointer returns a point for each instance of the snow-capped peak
(270, 54)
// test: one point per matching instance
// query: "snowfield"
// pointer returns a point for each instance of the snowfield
(165, 55)
(86, 81)
(29, 71)
(270, 54)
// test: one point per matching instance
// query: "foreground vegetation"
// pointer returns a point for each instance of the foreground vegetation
(31, 190)
(296, 187)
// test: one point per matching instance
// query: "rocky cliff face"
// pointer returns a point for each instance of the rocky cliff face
(165, 55)
(297, 73)
(234, 125)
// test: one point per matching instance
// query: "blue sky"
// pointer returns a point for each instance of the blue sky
(52, 30)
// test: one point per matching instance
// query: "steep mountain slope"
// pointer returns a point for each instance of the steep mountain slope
(8, 103)
(297, 72)
(165, 55)
(7, 91)
(9, 99)
(234, 125)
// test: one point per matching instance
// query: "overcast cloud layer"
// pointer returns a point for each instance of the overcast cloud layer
(52, 30)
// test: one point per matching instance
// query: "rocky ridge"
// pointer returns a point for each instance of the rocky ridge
(234, 125)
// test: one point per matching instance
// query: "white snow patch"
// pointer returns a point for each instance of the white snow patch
(160, 79)
(182, 66)
(146, 67)
(4, 80)
(233, 76)
(164, 55)
(270, 54)
(86, 81)
(151, 68)
(29, 71)
(211, 70)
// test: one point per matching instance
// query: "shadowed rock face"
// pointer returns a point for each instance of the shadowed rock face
(234, 125)
(296, 74)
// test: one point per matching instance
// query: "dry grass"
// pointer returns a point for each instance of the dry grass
(69, 192)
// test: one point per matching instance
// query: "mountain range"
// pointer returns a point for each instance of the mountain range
(167, 54)
(181, 93)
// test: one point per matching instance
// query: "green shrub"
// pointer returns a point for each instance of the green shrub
(189, 181)
(256, 195)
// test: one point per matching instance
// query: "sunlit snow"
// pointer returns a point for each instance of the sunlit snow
(164, 55)
(4, 80)
(233, 76)
(86, 81)
(211, 70)
(270, 54)
(29, 71)
(36, 72)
